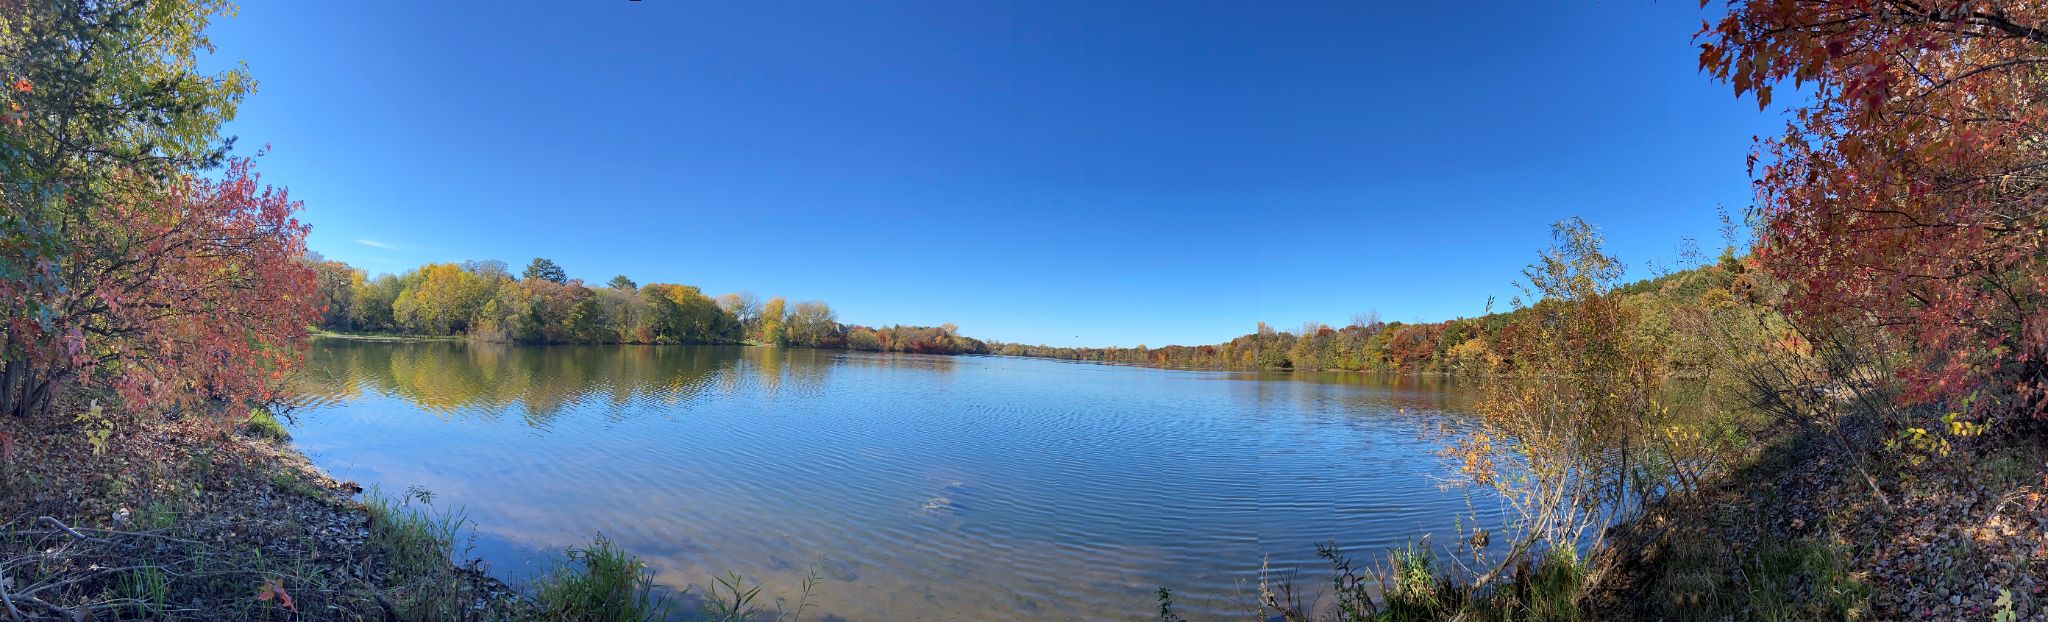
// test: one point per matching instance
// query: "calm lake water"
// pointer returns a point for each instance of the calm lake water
(922, 487)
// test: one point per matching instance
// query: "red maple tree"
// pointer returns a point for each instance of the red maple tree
(185, 295)
(1907, 190)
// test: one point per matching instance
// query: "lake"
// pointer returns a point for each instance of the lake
(920, 487)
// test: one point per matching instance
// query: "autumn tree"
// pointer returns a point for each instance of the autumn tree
(864, 338)
(186, 296)
(553, 303)
(510, 315)
(1907, 192)
(371, 302)
(591, 320)
(1562, 433)
(119, 267)
(441, 299)
(742, 305)
(683, 314)
(529, 311)
(335, 287)
(768, 327)
(632, 317)
(489, 269)
(1368, 322)
(812, 323)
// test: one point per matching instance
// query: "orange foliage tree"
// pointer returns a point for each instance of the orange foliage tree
(1907, 191)
(136, 257)
(1562, 432)
(179, 297)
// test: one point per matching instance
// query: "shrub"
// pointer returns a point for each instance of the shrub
(601, 583)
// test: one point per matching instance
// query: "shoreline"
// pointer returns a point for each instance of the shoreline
(323, 334)
(255, 509)
(192, 516)
(386, 338)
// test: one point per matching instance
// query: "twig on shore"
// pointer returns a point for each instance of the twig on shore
(12, 613)
(152, 534)
(67, 529)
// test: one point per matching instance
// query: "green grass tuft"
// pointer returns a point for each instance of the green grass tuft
(1413, 586)
(289, 481)
(1412, 589)
(1807, 580)
(147, 587)
(600, 583)
(417, 542)
(262, 424)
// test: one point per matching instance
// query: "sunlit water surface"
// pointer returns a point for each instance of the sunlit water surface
(920, 487)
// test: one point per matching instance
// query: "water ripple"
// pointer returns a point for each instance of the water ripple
(933, 487)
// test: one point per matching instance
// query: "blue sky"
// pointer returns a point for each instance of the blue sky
(1072, 173)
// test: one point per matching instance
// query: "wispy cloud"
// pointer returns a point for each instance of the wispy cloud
(377, 244)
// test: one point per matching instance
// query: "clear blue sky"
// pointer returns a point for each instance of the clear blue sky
(1073, 173)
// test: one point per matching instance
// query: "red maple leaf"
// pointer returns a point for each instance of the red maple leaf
(274, 588)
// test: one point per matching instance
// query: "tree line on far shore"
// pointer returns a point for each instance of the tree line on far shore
(1463, 346)
(485, 301)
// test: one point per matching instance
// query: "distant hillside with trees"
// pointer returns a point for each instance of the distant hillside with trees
(1457, 346)
(486, 301)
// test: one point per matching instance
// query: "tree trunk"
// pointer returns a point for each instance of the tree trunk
(10, 387)
(34, 398)
(22, 391)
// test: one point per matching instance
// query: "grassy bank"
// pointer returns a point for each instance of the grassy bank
(117, 517)
(1809, 531)
(1809, 527)
(121, 517)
